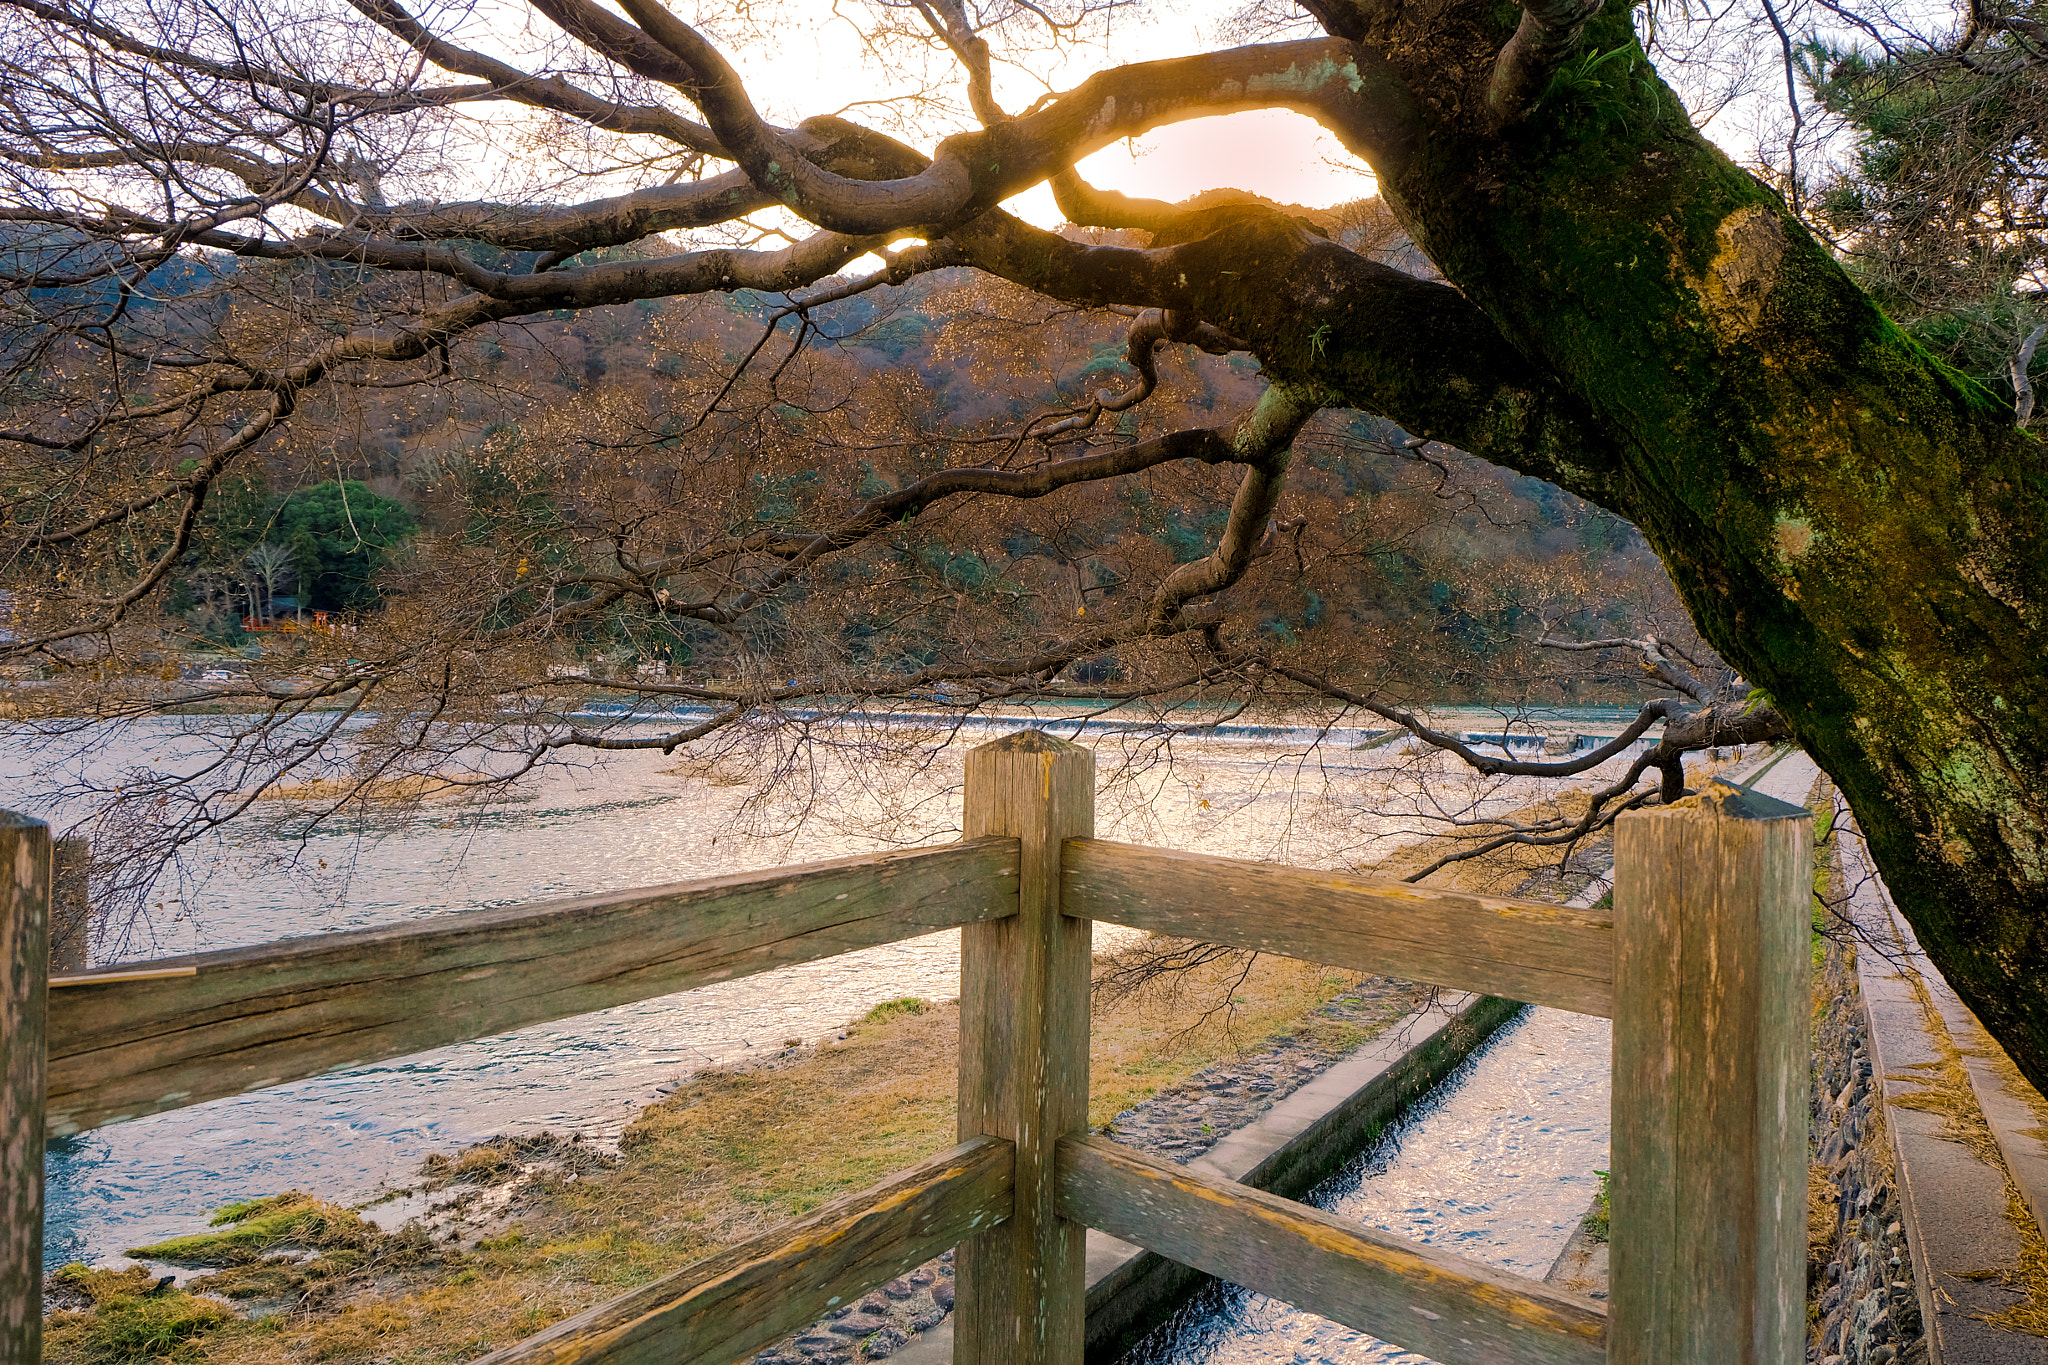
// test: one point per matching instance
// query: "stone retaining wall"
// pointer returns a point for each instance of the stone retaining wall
(1179, 1123)
(1860, 1288)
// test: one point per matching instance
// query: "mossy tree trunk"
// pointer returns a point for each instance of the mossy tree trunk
(1854, 525)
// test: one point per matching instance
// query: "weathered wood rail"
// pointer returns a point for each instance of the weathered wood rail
(1702, 965)
(247, 1018)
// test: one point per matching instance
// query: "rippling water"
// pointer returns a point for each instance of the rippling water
(621, 821)
(1496, 1165)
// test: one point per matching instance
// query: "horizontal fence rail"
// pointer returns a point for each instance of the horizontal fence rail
(1532, 951)
(1442, 1306)
(246, 1018)
(729, 1305)
(1702, 966)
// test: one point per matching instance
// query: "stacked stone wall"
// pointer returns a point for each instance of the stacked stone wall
(1861, 1297)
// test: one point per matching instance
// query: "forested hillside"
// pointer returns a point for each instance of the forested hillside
(608, 433)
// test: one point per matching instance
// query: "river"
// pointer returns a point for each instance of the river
(614, 822)
(1497, 1164)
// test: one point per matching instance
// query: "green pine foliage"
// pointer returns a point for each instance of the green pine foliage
(340, 534)
(1941, 206)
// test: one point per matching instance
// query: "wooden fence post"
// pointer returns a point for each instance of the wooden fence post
(1712, 973)
(1021, 1292)
(24, 1000)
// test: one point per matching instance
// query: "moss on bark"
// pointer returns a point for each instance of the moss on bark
(1852, 523)
(1855, 525)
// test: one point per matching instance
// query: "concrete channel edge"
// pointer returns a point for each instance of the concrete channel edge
(1289, 1150)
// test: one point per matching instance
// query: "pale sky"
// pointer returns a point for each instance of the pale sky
(814, 62)
(801, 58)
(1274, 152)
(818, 66)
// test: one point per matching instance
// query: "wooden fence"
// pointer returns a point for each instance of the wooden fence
(1702, 965)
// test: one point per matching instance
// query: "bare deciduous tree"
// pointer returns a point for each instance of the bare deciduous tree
(219, 223)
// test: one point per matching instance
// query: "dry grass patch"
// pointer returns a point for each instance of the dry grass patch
(1507, 870)
(728, 1154)
(1166, 1031)
(256, 1228)
(131, 1322)
(374, 791)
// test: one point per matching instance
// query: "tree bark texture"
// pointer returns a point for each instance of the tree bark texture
(24, 993)
(1630, 315)
(1853, 524)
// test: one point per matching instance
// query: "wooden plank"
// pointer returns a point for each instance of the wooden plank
(728, 1306)
(24, 991)
(1454, 1311)
(1495, 945)
(1712, 969)
(253, 1017)
(1022, 1291)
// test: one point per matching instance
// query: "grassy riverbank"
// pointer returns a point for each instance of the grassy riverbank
(544, 1229)
(729, 1153)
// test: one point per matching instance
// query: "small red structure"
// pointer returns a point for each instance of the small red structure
(319, 622)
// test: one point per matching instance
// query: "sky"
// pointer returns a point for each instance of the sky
(801, 58)
(811, 60)
(817, 65)
(1273, 152)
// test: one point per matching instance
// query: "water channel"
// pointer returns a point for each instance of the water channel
(628, 820)
(1497, 1164)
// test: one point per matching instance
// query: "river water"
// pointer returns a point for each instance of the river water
(1497, 1164)
(620, 821)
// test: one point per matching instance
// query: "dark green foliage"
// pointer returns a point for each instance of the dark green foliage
(235, 518)
(341, 534)
(896, 339)
(872, 484)
(954, 570)
(505, 502)
(779, 498)
(1189, 535)
(1941, 210)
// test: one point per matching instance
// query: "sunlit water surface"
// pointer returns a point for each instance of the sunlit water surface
(620, 821)
(1496, 1165)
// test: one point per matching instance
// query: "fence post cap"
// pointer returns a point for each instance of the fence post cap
(1747, 803)
(1730, 801)
(1030, 742)
(16, 820)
